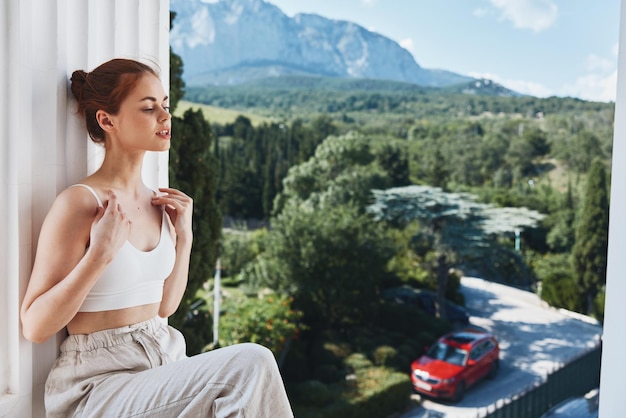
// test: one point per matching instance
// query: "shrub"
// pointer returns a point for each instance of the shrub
(357, 361)
(269, 321)
(385, 356)
(314, 393)
(328, 373)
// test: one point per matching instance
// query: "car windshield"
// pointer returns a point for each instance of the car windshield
(444, 352)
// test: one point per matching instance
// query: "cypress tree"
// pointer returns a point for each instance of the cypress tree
(193, 169)
(589, 253)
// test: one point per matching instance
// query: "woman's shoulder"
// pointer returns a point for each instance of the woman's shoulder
(78, 200)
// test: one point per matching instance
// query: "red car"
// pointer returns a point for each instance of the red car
(454, 363)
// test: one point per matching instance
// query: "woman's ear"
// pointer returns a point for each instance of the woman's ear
(104, 120)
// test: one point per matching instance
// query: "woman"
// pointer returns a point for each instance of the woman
(113, 257)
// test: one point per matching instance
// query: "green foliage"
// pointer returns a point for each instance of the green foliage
(240, 247)
(357, 362)
(395, 162)
(331, 261)
(192, 169)
(312, 96)
(558, 285)
(314, 393)
(561, 237)
(598, 304)
(322, 248)
(340, 172)
(374, 392)
(385, 356)
(589, 253)
(254, 161)
(580, 150)
(270, 321)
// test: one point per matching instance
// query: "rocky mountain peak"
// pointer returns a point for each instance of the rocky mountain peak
(234, 41)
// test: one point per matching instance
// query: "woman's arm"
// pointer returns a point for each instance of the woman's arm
(179, 208)
(76, 243)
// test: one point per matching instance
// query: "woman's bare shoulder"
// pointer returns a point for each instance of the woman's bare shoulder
(73, 205)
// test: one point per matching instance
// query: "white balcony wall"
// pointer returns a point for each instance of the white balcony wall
(614, 338)
(44, 148)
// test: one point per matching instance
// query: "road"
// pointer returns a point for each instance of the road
(534, 340)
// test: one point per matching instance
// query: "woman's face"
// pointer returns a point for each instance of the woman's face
(143, 122)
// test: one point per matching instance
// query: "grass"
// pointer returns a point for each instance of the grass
(219, 115)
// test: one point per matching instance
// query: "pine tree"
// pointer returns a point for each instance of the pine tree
(589, 254)
(457, 223)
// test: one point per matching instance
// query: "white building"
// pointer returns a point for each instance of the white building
(43, 149)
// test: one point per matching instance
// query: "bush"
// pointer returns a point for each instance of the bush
(558, 285)
(314, 393)
(269, 321)
(328, 373)
(385, 356)
(356, 362)
(379, 392)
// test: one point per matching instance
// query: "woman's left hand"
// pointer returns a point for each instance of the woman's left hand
(179, 207)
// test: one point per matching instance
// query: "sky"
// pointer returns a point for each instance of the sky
(538, 47)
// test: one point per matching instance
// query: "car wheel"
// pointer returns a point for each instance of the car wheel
(459, 392)
(494, 369)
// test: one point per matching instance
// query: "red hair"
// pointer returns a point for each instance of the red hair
(105, 88)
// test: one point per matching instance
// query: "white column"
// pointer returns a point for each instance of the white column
(44, 146)
(614, 338)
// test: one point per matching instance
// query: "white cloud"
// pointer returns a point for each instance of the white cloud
(368, 3)
(536, 15)
(599, 83)
(599, 86)
(595, 63)
(595, 87)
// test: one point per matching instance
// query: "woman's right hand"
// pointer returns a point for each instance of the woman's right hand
(110, 228)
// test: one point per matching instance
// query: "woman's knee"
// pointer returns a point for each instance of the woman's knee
(258, 353)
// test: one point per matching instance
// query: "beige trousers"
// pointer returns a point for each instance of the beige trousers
(142, 371)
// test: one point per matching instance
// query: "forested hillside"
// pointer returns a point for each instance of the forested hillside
(508, 151)
(509, 188)
(456, 141)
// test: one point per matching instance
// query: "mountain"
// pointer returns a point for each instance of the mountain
(229, 42)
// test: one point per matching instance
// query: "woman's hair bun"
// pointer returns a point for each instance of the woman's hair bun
(78, 79)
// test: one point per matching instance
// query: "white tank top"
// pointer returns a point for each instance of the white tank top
(133, 277)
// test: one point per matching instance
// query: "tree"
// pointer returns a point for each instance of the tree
(193, 169)
(394, 161)
(561, 237)
(589, 254)
(437, 174)
(323, 248)
(332, 173)
(331, 259)
(457, 222)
